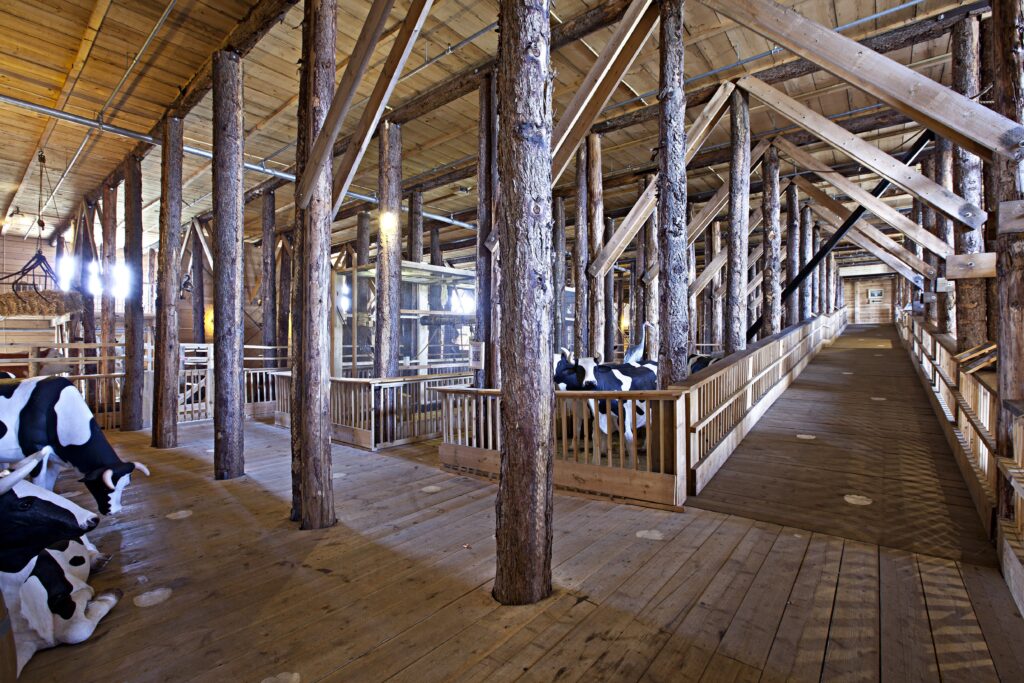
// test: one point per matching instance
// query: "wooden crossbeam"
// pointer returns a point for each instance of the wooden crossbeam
(895, 171)
(962, 120)
(320, 154)
(360, 140)
(875, 205)
(837, 213)
(968, 266)
(718, 201)
(647, 202)
(630, 36)
(721, 258)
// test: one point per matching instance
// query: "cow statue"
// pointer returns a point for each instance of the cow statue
(43, 567)
(50, 411)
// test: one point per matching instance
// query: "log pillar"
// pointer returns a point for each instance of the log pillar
(134, 316)
(389, 252)
(361, 294)
(229, 226)
(558, 276)
(806, 252)
(284, 292)
(739, 222)
(990, 180)
(608, 315)
(638, 284)
(524, 503)
(792, 304)
(313, 428)
(581, 260)
(416, 227)
(198, 274)
(771, 283)
(595, 222)
(108, 258)
(486, 179)
(971, 304)
(691, 270)
(651, 293)
(816, 297)
(944, 231)
(717, 304)
(269, 282)
(1008, 56)
(166, 350)
(931, 309)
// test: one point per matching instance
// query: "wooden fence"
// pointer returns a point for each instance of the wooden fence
(654, 446)
(376, 413)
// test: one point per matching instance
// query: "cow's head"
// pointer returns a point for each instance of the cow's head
(33, 517)
(588, 367)
(107, 484)
(566, 374)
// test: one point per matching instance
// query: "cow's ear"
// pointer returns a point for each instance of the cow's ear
(565, 353)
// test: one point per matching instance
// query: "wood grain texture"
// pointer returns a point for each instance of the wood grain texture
(772, 241)
(595, 234)
(134, 318)
(389, 252)
(268, 278)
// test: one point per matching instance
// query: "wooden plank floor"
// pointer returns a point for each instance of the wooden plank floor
(400, 588)
(874, 437)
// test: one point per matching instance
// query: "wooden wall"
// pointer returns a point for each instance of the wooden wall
(855, 292)
(14, 253)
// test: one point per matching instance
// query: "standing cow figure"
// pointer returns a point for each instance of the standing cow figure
(50, 411)
(43, 567)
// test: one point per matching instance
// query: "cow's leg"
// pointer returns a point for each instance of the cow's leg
(97, 560)
(88, 614)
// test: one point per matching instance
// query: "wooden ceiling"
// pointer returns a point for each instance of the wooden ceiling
(70, 54)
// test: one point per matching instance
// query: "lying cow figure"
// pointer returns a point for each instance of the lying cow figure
(50, 411)
(44, 567)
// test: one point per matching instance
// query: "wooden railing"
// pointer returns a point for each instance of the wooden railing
(1012, 470)
(662, 445)
(966, 406)
(376, 413)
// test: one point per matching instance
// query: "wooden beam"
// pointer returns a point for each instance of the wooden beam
(166, 349)
(808, 162)
(359, 60)
(601, 81)
(374, 108)
(134, 315)
(970, 266)
(933, 105)
(832, 223)
(720, 259)
(898, 173)
(834, 212)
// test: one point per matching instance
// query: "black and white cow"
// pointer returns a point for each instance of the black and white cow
(50, 411)
(43, 567)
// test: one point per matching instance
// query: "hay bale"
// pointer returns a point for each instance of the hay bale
(44, 302)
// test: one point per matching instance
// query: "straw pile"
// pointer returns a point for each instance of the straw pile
(44, 302)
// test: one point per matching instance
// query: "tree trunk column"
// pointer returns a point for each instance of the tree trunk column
(639, 287)
(269, 281)
(793, 252)
(314, 383)
(108, 252)
(229, 226)
(134, 315)
(389, 252)
(581, 259)
(971, 304)
(416, 227)
(717, 304)
(928, 223)
(610, 319)
(486, 170)
(652, 295)
(739, 217)
(816, 297)
(806, 252)
(524, 504)
(595, 222)
(771, 283)
(558, 276)
(944, 231)
(165, 352)
(198, 290)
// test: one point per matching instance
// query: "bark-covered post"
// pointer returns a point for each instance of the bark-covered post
(108, 254)
(389, 251)
(581, 260)
(134, 315)
(608, 316)
(639, 291)
(269, 281)
(771, 283)
(806, 252)
(524, 504)
(361, 295)
(314, 383)
(691, 270)
(717, 303)
(486, 170)
(284, 293)
(739, 222)
(198, 292)
(165, 351)
(228, 276)
(416, 227)
(928, 223)
(595, 222)
(944, 231)
(1008, 49)
(558, 275)
(971, 305)
(673, 281)
(830, 301)
(990, 180)
(653, 298)
(792, 253)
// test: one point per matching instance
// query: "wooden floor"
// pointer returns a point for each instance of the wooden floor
(874, 437)
(399, 590)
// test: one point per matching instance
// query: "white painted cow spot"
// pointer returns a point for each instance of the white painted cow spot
(430, 489)
(283, 677)
(180, 514)
(806, 437)
(650, 534)
(878, 398)
(153, 597)
(73, 418)
(856, 499)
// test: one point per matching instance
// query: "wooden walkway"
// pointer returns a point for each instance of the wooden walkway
(855, 428)
(400, 589)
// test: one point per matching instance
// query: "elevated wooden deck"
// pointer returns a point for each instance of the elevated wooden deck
(400, 588)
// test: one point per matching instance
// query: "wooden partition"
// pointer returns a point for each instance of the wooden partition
(674, 441)
(376, 413)
(1011, 527)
